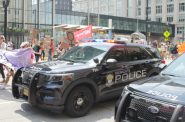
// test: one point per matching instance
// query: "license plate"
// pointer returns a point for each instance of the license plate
(25, 92)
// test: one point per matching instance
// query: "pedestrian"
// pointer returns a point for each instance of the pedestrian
(51, 50)
(37, 52)
(174, 52)
(2, 47)
(28, 45)
(42, 47)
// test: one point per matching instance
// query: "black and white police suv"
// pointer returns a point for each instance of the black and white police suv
(157, 99)
(85, 74)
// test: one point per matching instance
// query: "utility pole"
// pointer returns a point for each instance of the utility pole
(147, 21)
(5, 6)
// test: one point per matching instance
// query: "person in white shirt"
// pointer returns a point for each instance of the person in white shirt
(2, 47)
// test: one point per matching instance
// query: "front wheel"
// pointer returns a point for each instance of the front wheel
(79, 101)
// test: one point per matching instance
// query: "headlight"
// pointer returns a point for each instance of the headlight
(56, 78)
(61, 77)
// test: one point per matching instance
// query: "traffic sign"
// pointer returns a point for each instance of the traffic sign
(166, 34)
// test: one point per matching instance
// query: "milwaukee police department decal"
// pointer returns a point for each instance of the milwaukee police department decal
(109, 79)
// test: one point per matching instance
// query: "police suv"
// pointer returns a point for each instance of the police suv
(85, 74)
(157, 99)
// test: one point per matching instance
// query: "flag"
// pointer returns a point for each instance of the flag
(16, 58)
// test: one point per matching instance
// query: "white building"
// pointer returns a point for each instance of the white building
(166, 11)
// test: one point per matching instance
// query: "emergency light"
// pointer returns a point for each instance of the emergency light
(103, 41)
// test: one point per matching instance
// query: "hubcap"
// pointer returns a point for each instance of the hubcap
(80, 101)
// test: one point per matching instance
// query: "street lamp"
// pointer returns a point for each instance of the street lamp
(5, 6)
(147, 21)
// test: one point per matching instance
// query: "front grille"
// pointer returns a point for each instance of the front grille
(142, 105)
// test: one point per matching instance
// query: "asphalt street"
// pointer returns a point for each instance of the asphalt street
(12, 110)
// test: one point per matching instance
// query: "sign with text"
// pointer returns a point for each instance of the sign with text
(84, 33)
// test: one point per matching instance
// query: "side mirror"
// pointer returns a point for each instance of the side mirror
(111, 61)
(96, 60)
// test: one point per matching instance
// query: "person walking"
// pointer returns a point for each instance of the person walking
(51, 50)
(42, 47)
(37, 51)
(2, 47)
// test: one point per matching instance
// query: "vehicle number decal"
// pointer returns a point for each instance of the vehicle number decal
(166, 95)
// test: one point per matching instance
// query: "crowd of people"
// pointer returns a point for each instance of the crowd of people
(45, 51)
(41, 51)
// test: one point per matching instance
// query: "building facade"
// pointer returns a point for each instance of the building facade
(165, 11)
(41, 15)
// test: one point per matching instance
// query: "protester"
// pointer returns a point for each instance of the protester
(62, 48)
(28, 45)
(51, 50)
(174, 52)
(37, 51)
(42, 47)
(2, 47)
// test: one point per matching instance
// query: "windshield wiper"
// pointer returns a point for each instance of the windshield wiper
(173, 75)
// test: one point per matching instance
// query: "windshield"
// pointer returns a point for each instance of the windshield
(81, 54)
(176, 68)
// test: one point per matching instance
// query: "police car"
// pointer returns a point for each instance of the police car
(157, 99)
(84, 75)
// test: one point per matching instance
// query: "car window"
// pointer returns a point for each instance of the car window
(84, 53)
(135, 53)
(118, 54)
(146, 54)
(154, 52)
(176, 68)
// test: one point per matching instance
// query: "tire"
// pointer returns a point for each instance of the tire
(79, 101)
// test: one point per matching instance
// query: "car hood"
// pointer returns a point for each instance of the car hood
(163, 87)
(59, 66)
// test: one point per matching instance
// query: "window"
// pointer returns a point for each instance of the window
(181, 7)
(118, 54)
(181, 18)
(158, 1)
(159, 19)
(169, 1)
(170, 19)
(180, 30)
(149, 2)
(158, 9)
(139, 11)
(139, 2)
(135, 53)
(149, 10)
(170, 8)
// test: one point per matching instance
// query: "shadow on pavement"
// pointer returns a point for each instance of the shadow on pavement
(101, 112)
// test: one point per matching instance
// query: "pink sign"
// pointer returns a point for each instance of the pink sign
(84, 33)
